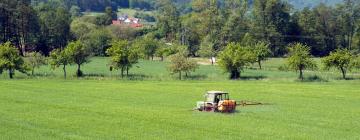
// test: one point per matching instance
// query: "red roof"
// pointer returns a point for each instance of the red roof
(136, 25)
(116, 22)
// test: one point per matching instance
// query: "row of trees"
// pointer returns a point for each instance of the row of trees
(123, 56)
(236, 57)
(211, 25)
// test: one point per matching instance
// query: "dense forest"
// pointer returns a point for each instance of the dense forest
(205, 27)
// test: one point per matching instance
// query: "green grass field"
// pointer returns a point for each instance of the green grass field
(152, 104)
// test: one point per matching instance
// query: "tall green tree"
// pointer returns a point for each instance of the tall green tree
(340, 59)
(148, 46)
(270, 23)
(168, 19)
(18, 24)
(235, 58)
(300, 58)
(59, 58)
(78, 54)
(55, 28)
(123, 56)
(11, 60)
(348, 17)
(262, 52)
(181, 64)
(35, 60)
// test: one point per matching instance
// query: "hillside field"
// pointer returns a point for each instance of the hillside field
(151, 104)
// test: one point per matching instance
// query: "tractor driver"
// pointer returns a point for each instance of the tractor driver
(217, 99)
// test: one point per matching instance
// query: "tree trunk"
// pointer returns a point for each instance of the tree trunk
(212, 61)
(180, 75)
(64, 69)
(32, 71)
(152, 58)
(343, 72)
(122, 72)
(127, 71)
(235, 74)
(301, 76)
(11, 73)
(79, 73)
(259, 62)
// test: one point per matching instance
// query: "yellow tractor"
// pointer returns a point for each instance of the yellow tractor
(217, 101)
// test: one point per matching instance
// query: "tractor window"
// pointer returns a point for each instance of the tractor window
(210, 98)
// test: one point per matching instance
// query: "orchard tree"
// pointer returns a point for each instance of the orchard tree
(11, 60)
(262, 52)
(35, 60)
(300, 58)
(235, 58)
(340, 59)
(179, 64)
(123, 56)
(78, 55)
(59, 58)
(164, 51)
(148, 46)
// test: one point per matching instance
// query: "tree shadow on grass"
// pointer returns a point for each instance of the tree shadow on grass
(94, 75)
(347, 79)
(196, 77)
(42, 75)
(252, 77)
(314, 78)
(136, 77)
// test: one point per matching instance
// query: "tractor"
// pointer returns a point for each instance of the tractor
(217, 101)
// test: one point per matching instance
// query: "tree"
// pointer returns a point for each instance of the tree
(59, 58)
(179, 63)
(161, 52)
(207, 49)
(271, 22)
(262, 51)
(97, 41)
(78, 54)
(18, 24)
(356, 62)
(54, 28)
(168, 19)
(148, 46)
(300, 59)
(340, 59)
(75, 11)
(123, 56)
(35, 60)
(347, 19)
(11, 60)
(235, 58)
(80, 28)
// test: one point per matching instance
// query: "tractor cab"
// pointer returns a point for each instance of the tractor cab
(215, 97)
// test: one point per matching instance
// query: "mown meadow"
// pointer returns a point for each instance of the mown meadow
(152, 104)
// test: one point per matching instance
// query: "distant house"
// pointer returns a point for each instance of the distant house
(125, 20)
(116, 22)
